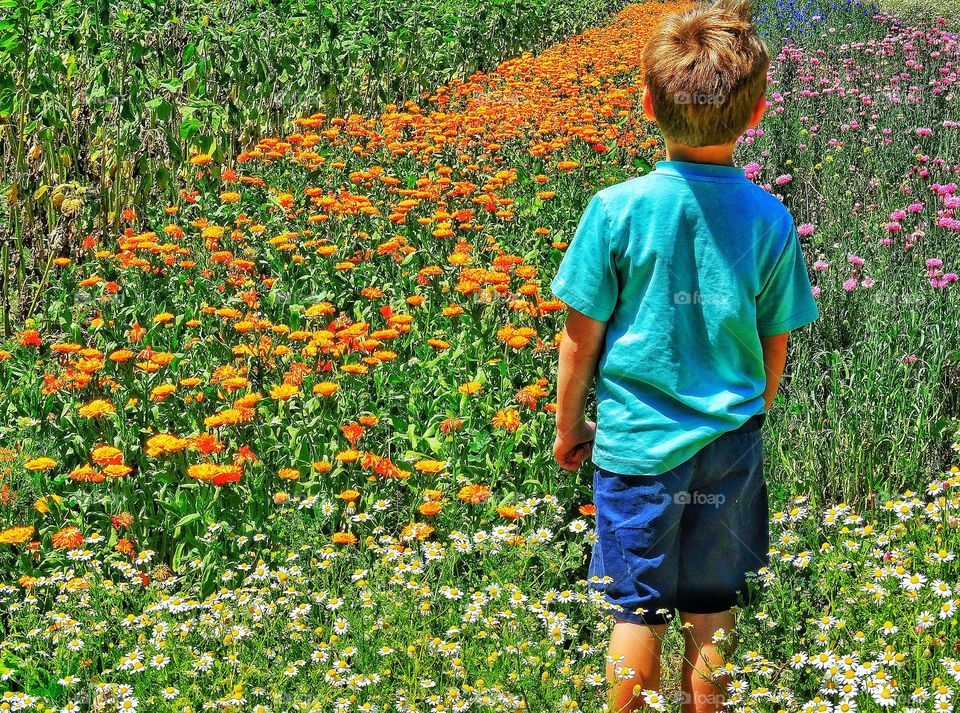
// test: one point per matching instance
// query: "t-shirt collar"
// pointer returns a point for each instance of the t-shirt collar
(693, 170)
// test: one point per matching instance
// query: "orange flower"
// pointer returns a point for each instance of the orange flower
(430, 466)
(201, 159)
(107, 455)
(588, 509)
(352, 432)
(16, 535)
(69, 538)
(508, 419)
(97, 408)
(325, 388)
(284, 392)
(430, 508)
(160, 393)
(40, 464)
(349, 496)
(322, 466)
(474, 494)
(508, 511)
(117, 470)
(288, 474)
(122, 521)
(470, 387)
(164, 443)
(448, 425)
(30, 338)
(343, 538)
(348, 456)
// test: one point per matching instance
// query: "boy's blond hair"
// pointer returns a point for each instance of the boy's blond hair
(705, 68)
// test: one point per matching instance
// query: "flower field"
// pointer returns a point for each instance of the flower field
(284, 443)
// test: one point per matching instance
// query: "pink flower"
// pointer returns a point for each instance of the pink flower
(821, 265)
(751, 170)
(855, 260)
(783, 179)
(867, 282)
(806, 229)
(934, 263)
(850, 285)
(815, 291)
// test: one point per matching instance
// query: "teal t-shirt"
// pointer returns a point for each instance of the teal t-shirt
(689, 265)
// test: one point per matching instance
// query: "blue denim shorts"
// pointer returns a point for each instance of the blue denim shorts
(685, 539)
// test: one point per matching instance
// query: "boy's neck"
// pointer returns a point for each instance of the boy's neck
(720, 153)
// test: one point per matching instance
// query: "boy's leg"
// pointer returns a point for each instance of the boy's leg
(636, 647)
(701, 691)
(724, 535)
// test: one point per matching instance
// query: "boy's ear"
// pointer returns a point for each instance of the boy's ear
(648, 106)
(758, 109)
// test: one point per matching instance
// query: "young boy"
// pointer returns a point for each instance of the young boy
(682, 285)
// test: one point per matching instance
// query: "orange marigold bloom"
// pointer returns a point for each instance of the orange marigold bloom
(348, 456)
(508, 419)
(107, 455)
(30, 338)
(42, 505)
(86, 474)
(448, 425)
(508, 511)
(69, 538)
(288, 474)
(470, 387)
(121, 355)
(160, 393)
(164, 443)
(230, 197)
(40, 464)
(126, 547)
(123, 520)
(430, 466)
(201, 159)
(117, 470)
(322, 466)
(206, 443)
(203, 471)
(163, 318)
(588, 509)
(474, 494)
(343, 538)
(284, 392)
(369, 420)
(16, 535)
(97, 408)
(349, 496)
(352, 432)
(430, 508)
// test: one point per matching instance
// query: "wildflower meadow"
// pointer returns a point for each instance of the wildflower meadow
(276, 429)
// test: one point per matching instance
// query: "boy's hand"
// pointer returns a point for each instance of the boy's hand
(575, 445)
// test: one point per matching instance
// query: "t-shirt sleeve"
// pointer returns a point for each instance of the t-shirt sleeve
(587, 278)
(786, 300)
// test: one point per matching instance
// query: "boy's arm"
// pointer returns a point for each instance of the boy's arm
(774, 360)
(580, 346)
